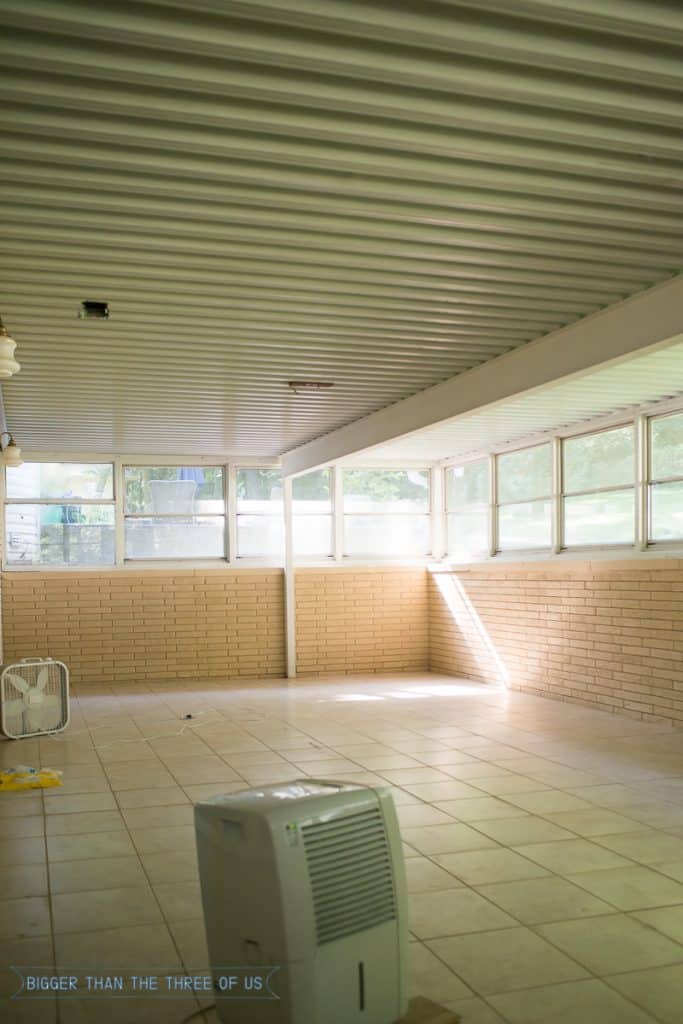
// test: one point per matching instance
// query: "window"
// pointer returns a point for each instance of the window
(60, 513)
(174, 512)
(524, 498)
(467, 509)
(386, 512)
(598, 473)
(260, 522)
(666, 478)
(312, 514)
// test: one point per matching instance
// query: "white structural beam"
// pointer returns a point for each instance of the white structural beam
(649, 318)
(290, 589)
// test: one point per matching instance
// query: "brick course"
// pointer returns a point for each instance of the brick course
(607, 633)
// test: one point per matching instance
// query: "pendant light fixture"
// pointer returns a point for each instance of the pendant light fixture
(11, 452)
(8, 364)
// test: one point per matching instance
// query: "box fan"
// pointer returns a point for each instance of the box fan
(34, 698)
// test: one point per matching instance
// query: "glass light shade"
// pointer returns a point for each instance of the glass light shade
(8, 364)
(12, 455)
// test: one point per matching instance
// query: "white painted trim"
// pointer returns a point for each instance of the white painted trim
(650, 319)
(493, 505)
(337, 512)
(642, 477)
(557, 505)
(437, 494)
(290, 582)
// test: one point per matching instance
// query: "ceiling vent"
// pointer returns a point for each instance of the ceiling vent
(94, 311)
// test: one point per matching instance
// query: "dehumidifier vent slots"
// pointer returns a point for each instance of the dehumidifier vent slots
(351, 876)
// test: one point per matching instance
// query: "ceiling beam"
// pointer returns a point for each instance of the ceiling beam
(646, 319)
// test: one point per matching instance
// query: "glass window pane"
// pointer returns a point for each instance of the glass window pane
(467, 485)
(260, 536)
(386, 490)
(60, 534)
(399, 535)
(525, 474)
(599, 460)
(666, 433)
(527, 525)
(61, 480)
(312, 535)
(468, 532)
(259, 490)
(311, 493)
(666, 511)
(188, 537)
(605, 518)
(174, 490)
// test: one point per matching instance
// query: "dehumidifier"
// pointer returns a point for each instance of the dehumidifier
(307, 877)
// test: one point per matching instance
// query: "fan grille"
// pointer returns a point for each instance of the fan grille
(21, 718)
(349, 865)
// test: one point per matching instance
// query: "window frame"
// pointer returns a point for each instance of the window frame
(189, 462)
(332, 514)
(67, 459)
(498, 504)
(342, 514)
(235, 557)
(563, 494)
(651, 481)
(488, 505)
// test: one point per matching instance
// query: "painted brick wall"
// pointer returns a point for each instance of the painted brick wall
(371, 619)
(150, 625)
(608, 634)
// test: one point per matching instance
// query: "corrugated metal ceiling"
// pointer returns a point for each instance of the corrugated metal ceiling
(381, 195)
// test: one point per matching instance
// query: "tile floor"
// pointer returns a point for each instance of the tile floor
(544, 842)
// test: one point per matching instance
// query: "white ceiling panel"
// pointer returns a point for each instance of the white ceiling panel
(555, 408)
(379, 195)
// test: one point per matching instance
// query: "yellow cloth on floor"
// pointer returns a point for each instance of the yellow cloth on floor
(25, 778)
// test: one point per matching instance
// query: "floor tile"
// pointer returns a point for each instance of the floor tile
(179, 900)
(647, 847)
(454, 912)
(423, 875)
(22, 826)
(80, 802)
(659, 991)
(164, 796)
(25, 850)
(482, 809)
(548, 800)
(450, 838)
(454, 789)
(429, 977)
(473, 1011)
(96, 873)
(616, 943)
(19, 880)
(171, 866)
(667, 920)
(509, 784)
(541, 900)
(478, 867)
(24, 918)
(86, 911)
(158, 817)
(190, 938)
(89, 844)
(87, 821)
(596, 822)
(632, 888)
(145, 948)
(568, 856)
(587, 1002)
(416, 815)
(521, 831)
(500, 961)
(155, 840)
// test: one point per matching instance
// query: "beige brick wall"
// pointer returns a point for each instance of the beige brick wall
(607, 634)
(370, 619)
(148, 625)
